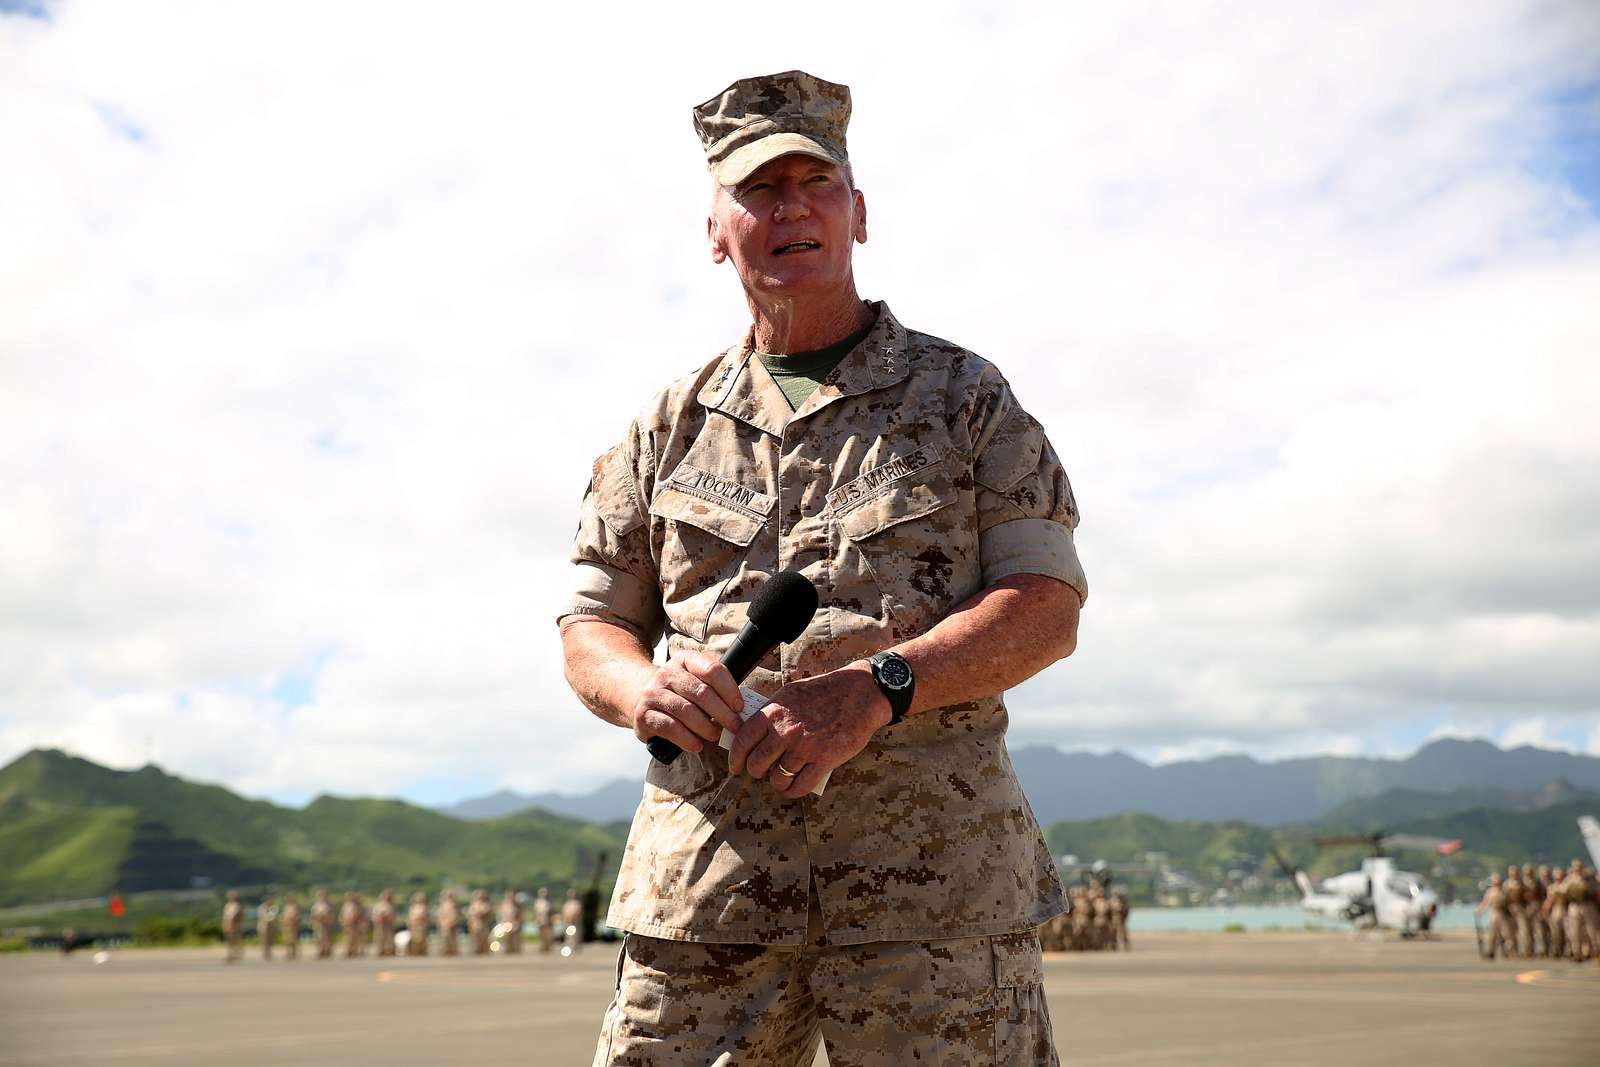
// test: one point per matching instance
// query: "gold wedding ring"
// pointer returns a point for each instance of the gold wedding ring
(786, 772)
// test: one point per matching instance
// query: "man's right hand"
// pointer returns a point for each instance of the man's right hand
(689, 701)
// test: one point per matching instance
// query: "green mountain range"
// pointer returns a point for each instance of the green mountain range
(71, 828)
(1492, 830)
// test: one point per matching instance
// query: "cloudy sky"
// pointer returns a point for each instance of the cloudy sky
(314, 315)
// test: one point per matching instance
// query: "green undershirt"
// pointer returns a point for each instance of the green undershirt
(799, 373)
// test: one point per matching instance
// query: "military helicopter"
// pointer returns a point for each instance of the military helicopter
(1379, 895)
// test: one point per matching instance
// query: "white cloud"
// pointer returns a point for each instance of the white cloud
(1532, 731)
(311, 369)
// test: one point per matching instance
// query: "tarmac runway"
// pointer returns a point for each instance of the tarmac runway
(1283, 999)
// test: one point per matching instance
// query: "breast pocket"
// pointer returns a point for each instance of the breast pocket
(706, 538)
(913, 539)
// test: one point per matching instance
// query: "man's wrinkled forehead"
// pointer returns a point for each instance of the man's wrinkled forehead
(792, 163)
(805, 166)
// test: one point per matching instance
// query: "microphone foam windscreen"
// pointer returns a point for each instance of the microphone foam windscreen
(784, 605)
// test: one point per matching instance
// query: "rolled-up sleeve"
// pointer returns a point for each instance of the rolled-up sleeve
(1026, 509)
(614, 572)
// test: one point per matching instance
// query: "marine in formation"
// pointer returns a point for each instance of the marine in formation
(233, 926)
(379, 926)
(383, 922)
(511, 922)
(1541, 913)
(1096, 920)
(267, 926)
(322, 924)
(480, 924)
(289, 926)
(448, 920)
(353, 922)
(544, 919)
(417, 924)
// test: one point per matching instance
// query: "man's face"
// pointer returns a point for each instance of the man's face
(789, 226)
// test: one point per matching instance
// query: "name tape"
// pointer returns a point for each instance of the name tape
(722, 490)
(876, 481)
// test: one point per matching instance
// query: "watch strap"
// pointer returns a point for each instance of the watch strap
(899, 697)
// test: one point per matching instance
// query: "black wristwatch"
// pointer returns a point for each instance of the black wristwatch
(898, 682)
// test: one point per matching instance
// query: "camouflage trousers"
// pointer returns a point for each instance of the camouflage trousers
(1502, 935)
(963, 1002)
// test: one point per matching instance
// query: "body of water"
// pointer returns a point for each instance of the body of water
(1266, 916)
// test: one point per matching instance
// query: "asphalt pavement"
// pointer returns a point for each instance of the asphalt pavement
(1283, 999)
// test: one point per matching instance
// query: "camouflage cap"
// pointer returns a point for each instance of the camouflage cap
(755, 120)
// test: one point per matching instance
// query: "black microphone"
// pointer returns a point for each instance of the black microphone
(780, 612)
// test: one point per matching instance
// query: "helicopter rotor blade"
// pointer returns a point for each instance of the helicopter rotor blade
(1346, 839)
(1442, 845)
(1380, 840)
(1283, 864)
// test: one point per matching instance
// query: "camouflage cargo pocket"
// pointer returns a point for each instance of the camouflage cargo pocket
(920, 550)
(1022, 1032)
(704, 545)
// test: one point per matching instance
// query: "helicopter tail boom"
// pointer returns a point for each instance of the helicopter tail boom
(1590, 826)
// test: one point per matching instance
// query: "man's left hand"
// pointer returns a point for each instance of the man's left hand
(810, 727)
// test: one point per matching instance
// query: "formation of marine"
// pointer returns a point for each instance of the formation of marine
(1096, 921)
(1544, 913)
(378, 928)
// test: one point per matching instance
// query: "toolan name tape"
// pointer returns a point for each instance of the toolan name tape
(721, 490)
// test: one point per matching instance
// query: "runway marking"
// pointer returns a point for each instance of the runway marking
(1550, 978)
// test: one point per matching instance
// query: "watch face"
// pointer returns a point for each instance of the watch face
(894, 673)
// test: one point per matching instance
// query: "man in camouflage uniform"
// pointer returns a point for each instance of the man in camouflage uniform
(383, 922)
(417, 925)
(1583, 912)
(1100, 918)
(544, 917)
(353, 921)
(895, 915)
(289, 926)
(511, 918)
(1502, 927)
(322, 924)
(571, 923)
(1082, 914)
(1538, 928)
(1119, 921)
(449, 923)
(480, 916)
(233, 926)
(267, 925)
(1516, 900)
(1555, 909)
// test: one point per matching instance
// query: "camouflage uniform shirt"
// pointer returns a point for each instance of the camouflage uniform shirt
(909, 481)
